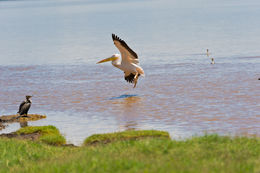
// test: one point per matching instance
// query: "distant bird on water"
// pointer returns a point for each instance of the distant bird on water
(207, 52)
(128, 63)
(212, 61)
(25, 106)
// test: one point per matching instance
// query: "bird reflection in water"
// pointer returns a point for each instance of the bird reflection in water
(23, 124)
(128, 106)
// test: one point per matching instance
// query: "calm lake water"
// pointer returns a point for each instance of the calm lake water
(49, 49)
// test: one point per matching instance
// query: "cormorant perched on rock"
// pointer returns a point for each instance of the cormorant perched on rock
(24, 107)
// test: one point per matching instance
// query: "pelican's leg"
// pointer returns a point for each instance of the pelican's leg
(135, 79)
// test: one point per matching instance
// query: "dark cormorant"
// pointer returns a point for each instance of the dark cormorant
(24, 107)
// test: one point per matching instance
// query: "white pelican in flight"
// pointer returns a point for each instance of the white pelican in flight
(128, 63)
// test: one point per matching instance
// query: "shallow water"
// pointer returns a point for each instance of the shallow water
(49, 49)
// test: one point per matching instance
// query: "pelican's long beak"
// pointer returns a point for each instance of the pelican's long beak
(107, 59)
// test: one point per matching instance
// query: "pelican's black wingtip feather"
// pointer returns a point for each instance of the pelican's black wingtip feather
(130, 78)
(115, 37)
(123, 43)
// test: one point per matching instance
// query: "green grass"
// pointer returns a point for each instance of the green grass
(22, 154)
(126, 135)
(209, 153)
(49, 134)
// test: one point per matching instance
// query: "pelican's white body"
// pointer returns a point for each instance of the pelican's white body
(127, 66)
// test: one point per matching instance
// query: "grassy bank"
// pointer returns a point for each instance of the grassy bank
(47, 134)
(210, 153)
(123, 136)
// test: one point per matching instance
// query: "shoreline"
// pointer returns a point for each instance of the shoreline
(8, 119)
(5, 120)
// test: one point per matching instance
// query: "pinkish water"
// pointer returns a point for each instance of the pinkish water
(184, 99)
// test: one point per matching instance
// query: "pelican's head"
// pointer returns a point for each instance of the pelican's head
(112, 58)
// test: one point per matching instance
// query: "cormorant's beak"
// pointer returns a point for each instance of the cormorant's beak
(28, 97)
(107, 59)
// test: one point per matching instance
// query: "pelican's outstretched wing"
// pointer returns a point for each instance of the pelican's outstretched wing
(127, 54)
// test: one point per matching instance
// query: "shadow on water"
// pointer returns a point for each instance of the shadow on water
(123, 96)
